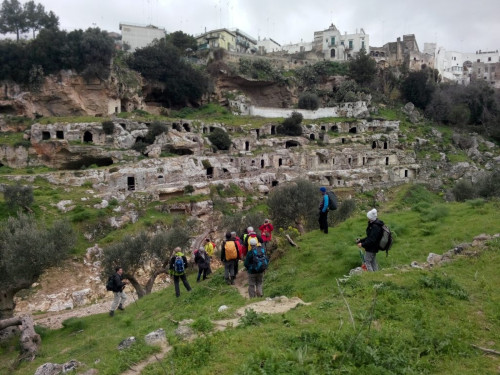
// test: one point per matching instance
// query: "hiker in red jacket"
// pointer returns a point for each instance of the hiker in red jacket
(266, 232)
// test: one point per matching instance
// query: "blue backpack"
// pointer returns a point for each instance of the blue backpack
(179, 265)
(259, 260)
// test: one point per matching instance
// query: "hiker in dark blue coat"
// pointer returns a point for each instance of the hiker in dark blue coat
(255, 276)
(323, 210)
(178, 266)
(371, 242)
(119, 295)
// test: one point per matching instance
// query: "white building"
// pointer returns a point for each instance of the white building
(340, 47)
(244, 42)
(297, 47)
(458, 66)
(268, 46)
(137, 36)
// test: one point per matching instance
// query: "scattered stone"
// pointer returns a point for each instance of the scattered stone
(415, 264)
(56, 369)
(80, 297)
(184, 332)
(127, 343)
(61, 206)
(433, 259)
(222, 308)
(156, 337)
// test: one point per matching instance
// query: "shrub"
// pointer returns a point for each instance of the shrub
(155, 129)
(18, 196)
(108, 127)
(140, 146)
(463, 190)
(489, 185)
(309, 101)
(188, 189)
(291, 125)
(220, 139)
(251, 318)
(344, 211)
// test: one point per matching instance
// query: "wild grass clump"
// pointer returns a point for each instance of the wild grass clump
(344, 211)
(202, 325)
(251, 318)
(444, 284)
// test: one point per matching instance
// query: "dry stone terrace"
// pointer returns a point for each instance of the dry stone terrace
(352, 153)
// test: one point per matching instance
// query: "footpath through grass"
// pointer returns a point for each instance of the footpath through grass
(403, 321)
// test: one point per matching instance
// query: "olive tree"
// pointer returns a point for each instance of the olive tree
(294, 204)
(145, 253)
(18, 196)
(27, 249)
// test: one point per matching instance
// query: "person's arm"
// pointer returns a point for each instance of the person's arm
(373, 238)
(171, 266)
(223, 251)
(271, 228)
(248, 259)
(184, 259)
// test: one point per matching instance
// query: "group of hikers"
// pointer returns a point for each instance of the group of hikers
(251, 248)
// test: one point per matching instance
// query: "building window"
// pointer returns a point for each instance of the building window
(333, 42)
(350, 44)
(363, 44)
(478, 60)
(332, 53)
(489, 58)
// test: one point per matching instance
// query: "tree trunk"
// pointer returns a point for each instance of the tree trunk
(138, 287)
(30, 340)
(151, 281)
(7, 304)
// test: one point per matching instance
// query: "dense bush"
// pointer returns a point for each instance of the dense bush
(486, 186)
(343, 212)
(347, 91)
(362, 68)
(18, 196)
(418, 88)
(291, 125)
(308, 100)
(220, 139)
(155, 129)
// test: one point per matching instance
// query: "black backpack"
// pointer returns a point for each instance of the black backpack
(332, 200)
(385, 242)
(110, 284)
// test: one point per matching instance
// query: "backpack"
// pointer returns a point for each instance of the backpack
(385, 242)
(179, 265)
(110, 284)
(259, 260)
(332, 200)
(230, 249)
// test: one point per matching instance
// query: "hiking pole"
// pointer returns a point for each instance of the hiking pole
(363, 265)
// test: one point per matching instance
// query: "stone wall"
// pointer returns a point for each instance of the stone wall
(355, 110)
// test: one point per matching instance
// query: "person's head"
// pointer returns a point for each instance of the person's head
(323, 190)
(201, 248)
(118, 270)
(253, 242)
(178, 250)
(233, 235)
(228, 235)
(372, 215)
(266, 221)
(207, 240)
(249, 229)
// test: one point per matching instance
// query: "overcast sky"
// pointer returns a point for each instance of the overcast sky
(458, 25)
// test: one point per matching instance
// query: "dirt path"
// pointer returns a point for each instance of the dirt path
(241, 283)
(138, 367)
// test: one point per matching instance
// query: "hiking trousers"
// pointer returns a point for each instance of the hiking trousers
(119, 299)
(323, 221)
(370, 261)
(255, 284)
(229, 266)
(184, 281)
(202, 271)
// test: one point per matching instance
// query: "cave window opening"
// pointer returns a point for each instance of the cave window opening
(349, 161)
(116, 109)
(87, 137)
(225, 170)
(262, 163)
(280, 162)
(177, 127)
(210, 172)
(131, 183)
(139, 139)
(333, 161)
(334, 129)
(247, 146)
(273, 130)
(353, 130)
(364, 160)
(274, 183)
(406, 172)
(289, 144)
(205, 130)
(387, 161)
(323, 127)
(312, 137)
(160, 177)
(257, 131)
(374, 144)
(343, 140)
(211, 129)
(187, 127)
(339, 182)
(124, 126)
(59, 134)
(385, 145)
(45, 136)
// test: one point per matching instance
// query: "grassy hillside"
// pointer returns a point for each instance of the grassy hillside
(406, 321)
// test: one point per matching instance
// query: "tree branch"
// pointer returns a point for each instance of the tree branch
(348, 308)
(486, 350)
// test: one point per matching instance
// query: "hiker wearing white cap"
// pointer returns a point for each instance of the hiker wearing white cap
(371, 242)
(256, 263)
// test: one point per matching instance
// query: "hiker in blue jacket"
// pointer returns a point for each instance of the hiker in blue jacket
(178, 266)
(255, 276)
(323, 210)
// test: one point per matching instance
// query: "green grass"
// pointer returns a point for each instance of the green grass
(413, 322)
(12, 139)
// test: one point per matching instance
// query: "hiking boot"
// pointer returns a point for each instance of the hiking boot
(111, 313)
(232, 281)
(120, 307)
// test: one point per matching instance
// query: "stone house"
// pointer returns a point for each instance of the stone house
(219, 38)
(336, 46)
(268, 45)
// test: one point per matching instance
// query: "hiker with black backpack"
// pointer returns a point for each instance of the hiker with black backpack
(229, 255)
(203, 263)
(323, 210)
(178, 266)
(256, 263)
(371, 243)
(117, 284)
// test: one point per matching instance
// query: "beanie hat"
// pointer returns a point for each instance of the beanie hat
(253, 241)
(322, 189)
(228, 235)
(250, 229)
(372, 215)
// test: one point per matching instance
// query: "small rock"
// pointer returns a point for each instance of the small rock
(184, 332)
(156, 337)
(56, 369)
(222, 308)
(414, 264)
(127, 343)
(482, 237)
(433, 259)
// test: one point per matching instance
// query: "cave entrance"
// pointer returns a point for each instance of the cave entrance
(280, 162)
(87, 137)
(353, 130)
(334, 129)
(45, 136)
(262, 163)
(289, 144)
(274, 183)
(59, 134)
(131, 183)
(181, 151)
(210, 172)
(257, 131)
(312, 137)
(385, 145)
(187, 127)
(374, 144)
(247, 146)
(273, 130)
(177, 127)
